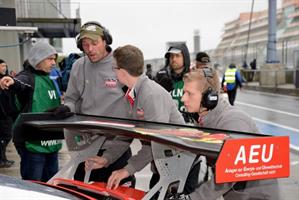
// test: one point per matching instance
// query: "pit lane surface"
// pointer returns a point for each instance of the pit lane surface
(278, 115)
(274, 114)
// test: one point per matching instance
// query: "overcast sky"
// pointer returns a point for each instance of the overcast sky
(149, 24)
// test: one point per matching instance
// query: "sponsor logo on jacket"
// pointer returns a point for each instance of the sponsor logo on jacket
(50, 142)
(140, 113)
(110, 82)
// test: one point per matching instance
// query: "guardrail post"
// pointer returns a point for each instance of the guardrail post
(297, 78)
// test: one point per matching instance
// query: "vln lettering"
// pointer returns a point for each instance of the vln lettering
(256, 154)
(52, 94)
(177, 93)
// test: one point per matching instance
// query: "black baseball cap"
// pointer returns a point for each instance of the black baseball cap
(202, 57)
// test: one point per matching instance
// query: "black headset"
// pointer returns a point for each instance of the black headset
(107, 36)
(209, 98)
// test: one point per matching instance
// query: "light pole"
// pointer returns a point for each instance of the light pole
(271, 45)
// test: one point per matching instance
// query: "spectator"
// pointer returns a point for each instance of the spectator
(149, 71)
(253, 67)
(7, 114)
(148, 101)
(245, 65)
(56, 77)
(93, 89)
(231, 80)
(253, 64)
(202, 60)
(65, 67)
(36, 92)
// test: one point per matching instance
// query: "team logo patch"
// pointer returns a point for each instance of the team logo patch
(140, 113)
(91, 28)
(110, 82)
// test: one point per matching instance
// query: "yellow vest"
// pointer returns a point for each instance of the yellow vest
(230, 75)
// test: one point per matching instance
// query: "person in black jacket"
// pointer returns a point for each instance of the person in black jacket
(171, 78)
(202, 60)
(177, 63)
(7, 114)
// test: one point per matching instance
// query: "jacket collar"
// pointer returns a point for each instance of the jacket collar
(137, 87)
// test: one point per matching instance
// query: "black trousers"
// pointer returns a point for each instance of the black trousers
(103, 174)
(5, 136)
(232, 95)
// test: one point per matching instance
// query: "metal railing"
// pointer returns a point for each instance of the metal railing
(272, 78)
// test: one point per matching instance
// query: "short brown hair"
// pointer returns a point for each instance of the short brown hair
(206, 78)
(129, 58)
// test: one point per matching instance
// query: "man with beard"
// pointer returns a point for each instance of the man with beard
(93, 89)
(171, 76)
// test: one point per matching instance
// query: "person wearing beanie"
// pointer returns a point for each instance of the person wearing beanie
(7, 112)
(36, 92)
(202, 60)
(39, 52)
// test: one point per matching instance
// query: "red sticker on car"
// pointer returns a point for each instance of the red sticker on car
(253, 159)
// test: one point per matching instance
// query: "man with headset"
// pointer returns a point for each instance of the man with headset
(93, 89)
(201, 95)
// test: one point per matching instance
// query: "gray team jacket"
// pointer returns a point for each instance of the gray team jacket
(152, 103)
(93, 89)
(228, 117)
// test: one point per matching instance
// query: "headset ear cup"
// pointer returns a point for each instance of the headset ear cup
(203, 102)
(209, 99)
(79, 43)
(107, 36)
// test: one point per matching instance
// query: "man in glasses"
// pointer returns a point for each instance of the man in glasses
(146, 100)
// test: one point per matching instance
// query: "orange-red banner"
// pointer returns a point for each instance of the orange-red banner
(253, 159)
